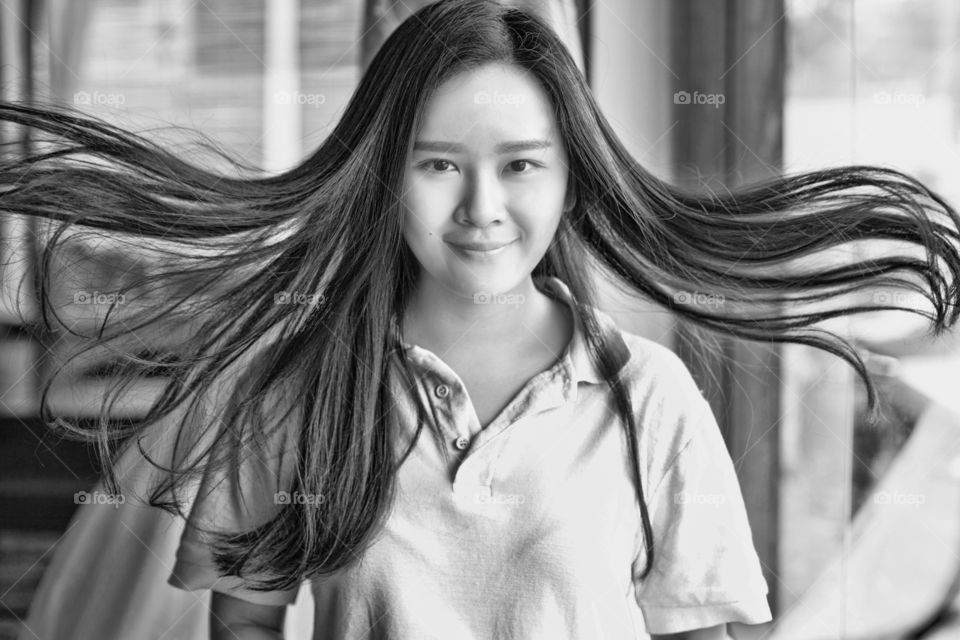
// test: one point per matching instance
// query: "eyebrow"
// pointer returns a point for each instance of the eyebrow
(503, 147)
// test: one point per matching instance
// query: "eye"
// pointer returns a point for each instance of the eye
(437, 165)
(522, 166)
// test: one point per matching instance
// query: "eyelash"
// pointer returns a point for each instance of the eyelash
(426, 165)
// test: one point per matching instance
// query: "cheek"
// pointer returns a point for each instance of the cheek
(424, 208)
(412, 227)
(542, 210)
(418, 231)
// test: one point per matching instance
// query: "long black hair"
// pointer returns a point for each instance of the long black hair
(330, 228)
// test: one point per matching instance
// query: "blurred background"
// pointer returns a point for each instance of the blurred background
(710, 94)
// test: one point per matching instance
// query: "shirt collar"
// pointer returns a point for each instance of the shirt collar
(576, 358)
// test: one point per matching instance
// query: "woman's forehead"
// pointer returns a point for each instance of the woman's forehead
(487, 107)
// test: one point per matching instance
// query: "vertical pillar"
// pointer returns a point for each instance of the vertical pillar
(19, 379)
(282, 100)
(735, 49)
(630, 40)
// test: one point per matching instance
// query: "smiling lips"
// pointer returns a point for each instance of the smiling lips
(479, 249)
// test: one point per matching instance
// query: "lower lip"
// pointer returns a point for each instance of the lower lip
(480, 255)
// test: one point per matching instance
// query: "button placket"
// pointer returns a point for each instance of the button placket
(445, 392)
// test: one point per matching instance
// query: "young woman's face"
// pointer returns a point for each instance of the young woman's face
(485, 185)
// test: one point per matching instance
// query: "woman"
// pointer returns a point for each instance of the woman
(438, 241)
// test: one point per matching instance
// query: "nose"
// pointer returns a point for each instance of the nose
(483, 202)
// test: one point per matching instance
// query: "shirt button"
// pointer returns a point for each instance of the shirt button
(442, 390)
(462, 443)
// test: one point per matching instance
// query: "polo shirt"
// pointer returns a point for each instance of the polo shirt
(530, 528)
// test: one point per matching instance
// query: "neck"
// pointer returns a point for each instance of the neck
(443, 321)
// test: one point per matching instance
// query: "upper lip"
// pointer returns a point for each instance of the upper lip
(480, 245)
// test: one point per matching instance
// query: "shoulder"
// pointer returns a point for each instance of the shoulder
(259, 426)
(658, 366)
(656, 377)
(668, 406)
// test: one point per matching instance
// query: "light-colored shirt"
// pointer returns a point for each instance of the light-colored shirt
(529, 529)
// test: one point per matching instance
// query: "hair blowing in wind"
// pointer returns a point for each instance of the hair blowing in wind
(225, 245)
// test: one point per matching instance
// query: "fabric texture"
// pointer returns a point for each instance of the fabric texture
(529, 528)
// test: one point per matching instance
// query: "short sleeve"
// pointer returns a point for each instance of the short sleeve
(223, 506)
(706, 570)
